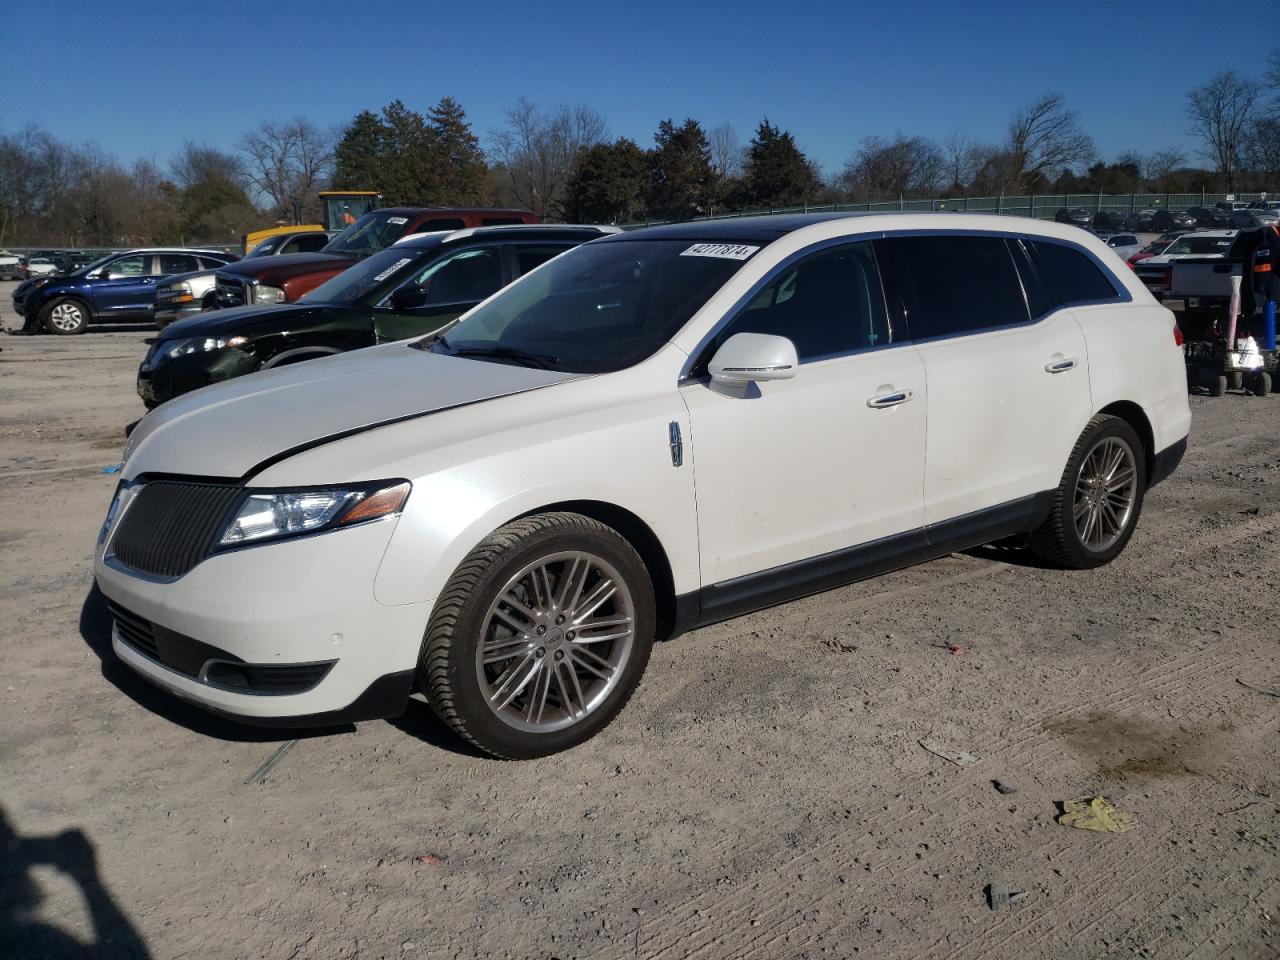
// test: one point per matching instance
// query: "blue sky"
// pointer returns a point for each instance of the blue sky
(141, 78)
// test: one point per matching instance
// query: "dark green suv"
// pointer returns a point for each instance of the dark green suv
(412, 288)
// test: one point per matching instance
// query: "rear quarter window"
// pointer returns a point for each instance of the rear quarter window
(1072, 275)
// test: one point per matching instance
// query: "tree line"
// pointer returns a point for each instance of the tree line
(562, 164)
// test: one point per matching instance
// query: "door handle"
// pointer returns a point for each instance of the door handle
(1060, 366)
(890, 399)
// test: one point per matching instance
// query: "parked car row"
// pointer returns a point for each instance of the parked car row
(119, 287)
(41, 263)
(411, 288)
(126, 286)
(1224, 215)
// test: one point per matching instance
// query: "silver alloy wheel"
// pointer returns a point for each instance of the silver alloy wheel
(1105, 493)
(66, 316)
(555, 641)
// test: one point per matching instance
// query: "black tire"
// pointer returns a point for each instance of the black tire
(1218, 385)
(447, 664)
(1261, 385)
(1235, 380)
(72, 316)
(1057, 540)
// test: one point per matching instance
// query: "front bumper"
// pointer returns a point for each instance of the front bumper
(172, 378)
(289, 604)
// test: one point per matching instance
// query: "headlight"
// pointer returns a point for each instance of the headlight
(263, 294)
(111, 514)
(178, 292)
(180, 348)
(270, 515)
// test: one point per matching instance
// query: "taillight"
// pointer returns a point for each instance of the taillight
(1168, 278)
(1178, 339)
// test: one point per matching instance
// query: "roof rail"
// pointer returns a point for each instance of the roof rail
(504, 227)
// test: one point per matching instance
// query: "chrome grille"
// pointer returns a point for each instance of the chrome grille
(230, 292)
(171, 525)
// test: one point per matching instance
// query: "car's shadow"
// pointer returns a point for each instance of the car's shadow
(419, 720)
(1013, 552)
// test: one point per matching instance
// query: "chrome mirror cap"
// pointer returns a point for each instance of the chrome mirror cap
(751, 357)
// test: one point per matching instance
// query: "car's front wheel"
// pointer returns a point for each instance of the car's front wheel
(1099, 499)
(540, 637)
(65, 316)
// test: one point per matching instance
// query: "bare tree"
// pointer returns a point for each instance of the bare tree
(963, 157)
(726, 152)
(887, 169)
(289, 163)
(726, 164)
(1221, 113)
(538, 151)
(1160, 164)
(197, 163)
(1045, 138)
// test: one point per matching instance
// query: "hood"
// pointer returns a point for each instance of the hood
(273, 271)
(220, 323)
(231, 428)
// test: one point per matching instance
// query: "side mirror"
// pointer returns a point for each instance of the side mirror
(750, 357)
(409, 298)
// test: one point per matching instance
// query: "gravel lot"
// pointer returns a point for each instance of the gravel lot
(764, 794)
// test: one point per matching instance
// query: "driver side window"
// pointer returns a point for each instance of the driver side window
(466, 277)
(135, 266)
(827, 304)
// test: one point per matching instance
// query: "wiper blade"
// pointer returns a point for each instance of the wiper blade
(426, 343)
(544, 361)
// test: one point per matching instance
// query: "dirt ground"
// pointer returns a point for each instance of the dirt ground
(764, 795)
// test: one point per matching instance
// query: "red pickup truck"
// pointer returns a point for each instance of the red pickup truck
(285, 279)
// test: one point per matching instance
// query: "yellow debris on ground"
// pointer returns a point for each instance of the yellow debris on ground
(1096, 813)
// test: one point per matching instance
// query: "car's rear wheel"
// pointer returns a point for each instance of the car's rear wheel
(65, 316)
(540, 637)
(1098, 501)
(1218, 385)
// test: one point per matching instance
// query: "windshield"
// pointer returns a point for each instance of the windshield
(368, 235)
(93, 266)
(372, 275)
(598, 308)
(265, 248)
(1200, 245)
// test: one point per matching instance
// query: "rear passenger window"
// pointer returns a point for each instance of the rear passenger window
(1072, 275)
(956, 284)
(176, 263)
(499, 221)
(827, 304)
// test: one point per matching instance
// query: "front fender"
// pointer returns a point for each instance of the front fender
(430, 544)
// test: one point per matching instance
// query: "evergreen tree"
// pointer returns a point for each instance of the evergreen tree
(778, 174)
(461, 171)
(680, 171)
(608, 183)
(359, 154)
(409, 163)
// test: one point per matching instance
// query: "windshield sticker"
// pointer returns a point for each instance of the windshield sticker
(398, 221)
(391, 269)
(722, 251)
